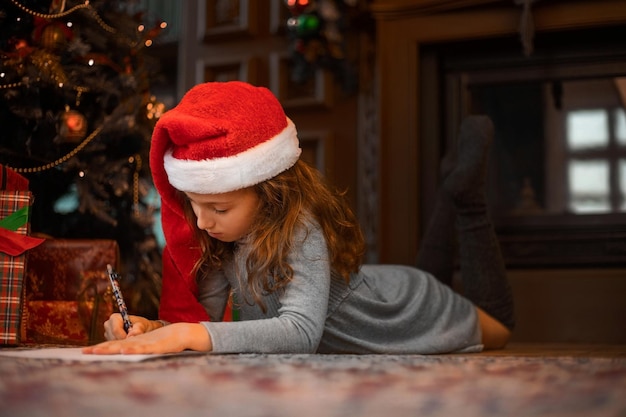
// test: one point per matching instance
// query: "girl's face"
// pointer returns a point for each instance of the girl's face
(226, 217)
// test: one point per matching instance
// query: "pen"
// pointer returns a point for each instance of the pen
(118, 297)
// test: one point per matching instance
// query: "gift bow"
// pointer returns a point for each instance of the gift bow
(13, 243)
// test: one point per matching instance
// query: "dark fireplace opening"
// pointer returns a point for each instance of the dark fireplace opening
(558, 170)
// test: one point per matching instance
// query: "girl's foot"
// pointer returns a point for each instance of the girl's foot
(466, 183)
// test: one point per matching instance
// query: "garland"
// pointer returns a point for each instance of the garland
(62, 159)
(85, 5)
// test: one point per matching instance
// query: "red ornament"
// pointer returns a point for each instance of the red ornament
(72, 127)
(296, 7)
(21, 47)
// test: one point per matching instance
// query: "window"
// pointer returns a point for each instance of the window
(594, 154)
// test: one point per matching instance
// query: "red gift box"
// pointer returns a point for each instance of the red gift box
(67, 292)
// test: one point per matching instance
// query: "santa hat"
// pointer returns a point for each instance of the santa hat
(223, 136)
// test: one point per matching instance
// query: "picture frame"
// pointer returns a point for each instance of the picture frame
(279, 14)
(316, 148)
(314, 92)
(228, 69)
(230, 18)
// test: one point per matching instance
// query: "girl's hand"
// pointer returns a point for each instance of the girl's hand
(114, 327)
(168, 339)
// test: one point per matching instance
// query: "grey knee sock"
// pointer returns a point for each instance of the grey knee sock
(483, 272)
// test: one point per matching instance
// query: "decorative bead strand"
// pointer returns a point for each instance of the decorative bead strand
(85, 5)
(62, 159)
(136, 184)
(12, 85)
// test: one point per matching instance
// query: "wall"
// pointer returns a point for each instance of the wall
(255, 49)
(570, 305)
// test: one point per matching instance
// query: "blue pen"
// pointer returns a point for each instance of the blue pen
(118, 297)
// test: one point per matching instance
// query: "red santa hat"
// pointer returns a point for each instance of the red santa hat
(221, 137)
(225, 136)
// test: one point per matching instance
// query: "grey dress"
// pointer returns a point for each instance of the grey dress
(384, 309)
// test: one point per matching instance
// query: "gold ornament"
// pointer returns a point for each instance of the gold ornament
(53, 38)
(49, 66)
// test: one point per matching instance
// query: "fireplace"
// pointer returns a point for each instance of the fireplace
(558, 167)
(558, 192)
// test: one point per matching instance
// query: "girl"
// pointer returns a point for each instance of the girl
(246, 220)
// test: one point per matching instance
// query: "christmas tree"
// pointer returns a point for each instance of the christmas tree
(77, 116)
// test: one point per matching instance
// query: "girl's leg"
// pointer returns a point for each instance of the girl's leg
(483, 273)
(438, 248)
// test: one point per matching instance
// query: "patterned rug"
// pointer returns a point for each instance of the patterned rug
(316, 386)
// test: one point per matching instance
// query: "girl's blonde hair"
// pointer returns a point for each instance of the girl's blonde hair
(285, 201)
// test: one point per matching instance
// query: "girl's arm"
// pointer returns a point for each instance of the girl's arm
(172, 338)
(301, 308)
(298, 327)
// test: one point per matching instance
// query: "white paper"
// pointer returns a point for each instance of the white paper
(76, 354)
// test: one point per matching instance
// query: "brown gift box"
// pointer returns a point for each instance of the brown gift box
(67, 293)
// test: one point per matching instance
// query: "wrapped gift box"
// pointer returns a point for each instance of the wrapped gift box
(15, 202)
(12, 268)
(67, 293)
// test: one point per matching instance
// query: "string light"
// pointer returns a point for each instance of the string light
(85, 5)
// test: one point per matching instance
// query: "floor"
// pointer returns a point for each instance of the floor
(560, 349)
(547, 380)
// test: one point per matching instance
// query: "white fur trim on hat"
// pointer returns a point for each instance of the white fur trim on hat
(248, 168)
